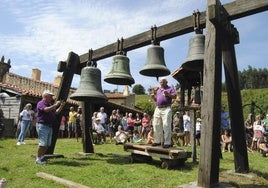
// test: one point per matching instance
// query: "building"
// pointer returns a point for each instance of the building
(16, 91)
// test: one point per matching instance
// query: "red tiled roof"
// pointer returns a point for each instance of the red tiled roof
(26, 92)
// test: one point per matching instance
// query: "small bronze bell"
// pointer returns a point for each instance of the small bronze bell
(195, 57)
(90, 88)
(191, 78)
(120, 72)
(155, 65)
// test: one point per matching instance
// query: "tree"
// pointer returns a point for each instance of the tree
(253, 78)
(138, 89)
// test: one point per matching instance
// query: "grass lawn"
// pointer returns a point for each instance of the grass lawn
(109, 166)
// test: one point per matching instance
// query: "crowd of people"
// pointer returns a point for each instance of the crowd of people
(162, 129)
(257, 133)
(120, 128)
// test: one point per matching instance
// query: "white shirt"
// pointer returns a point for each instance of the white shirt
(27, 114)
(102, 116)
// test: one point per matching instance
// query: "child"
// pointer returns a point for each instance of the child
(150, 136)
(198, 131)
(136, 138)
(226, 139)
(120, 136)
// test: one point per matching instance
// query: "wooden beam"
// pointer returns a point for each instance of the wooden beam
(208, 174)
(235, 107)
(63, 92)
(235, 10)
(61, 181)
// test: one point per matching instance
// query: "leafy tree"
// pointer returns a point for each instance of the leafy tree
(253, 78)
(138, 89)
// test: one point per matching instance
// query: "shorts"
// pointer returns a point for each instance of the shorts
(72, 126)
(44, 134)
(62, 127)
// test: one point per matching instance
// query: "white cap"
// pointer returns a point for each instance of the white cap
(47, 92)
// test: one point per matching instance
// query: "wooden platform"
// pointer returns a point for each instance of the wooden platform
(170, 157)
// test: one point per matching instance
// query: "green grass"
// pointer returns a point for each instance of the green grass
(109, 167)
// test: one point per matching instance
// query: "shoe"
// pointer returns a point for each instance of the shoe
(156, 144)
(166, 146)
(39, 161)
(23, 143)
(43, 158)
(18, 143)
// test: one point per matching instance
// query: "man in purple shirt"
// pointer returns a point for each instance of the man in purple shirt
(163, 113)
(46, 115)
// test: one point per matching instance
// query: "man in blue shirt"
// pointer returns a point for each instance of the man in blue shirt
(224, 119)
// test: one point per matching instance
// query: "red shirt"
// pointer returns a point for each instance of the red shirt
(145, 121)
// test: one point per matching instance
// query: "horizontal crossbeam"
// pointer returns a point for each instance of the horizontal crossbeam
(235, 10)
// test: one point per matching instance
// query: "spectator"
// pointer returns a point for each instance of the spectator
(26, 116)
(103, 116)
(72, 129)
(63, 124)
(265, 124)
(150, 136)
(226, 139)
(186, 127)
(198, 130)
(114, 122)
(120, 136)
(224, 120)
(258, 131)
(249, 131)
(146, 125)
(136, 138)
(130, 123)
(177, 128)
(100, 130)
(124, 121)
(263, 146)
(137, 124)
(78, 119)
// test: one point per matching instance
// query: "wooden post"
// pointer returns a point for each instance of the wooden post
(235, 105)
(193, 132)
(64, 89)
(208, 174)
(87, 131)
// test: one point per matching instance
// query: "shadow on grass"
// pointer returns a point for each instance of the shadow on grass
(260, 174)
(126, 160)
(4, 169)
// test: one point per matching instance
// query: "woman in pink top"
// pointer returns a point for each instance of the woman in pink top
(146, 125)
(130, 123)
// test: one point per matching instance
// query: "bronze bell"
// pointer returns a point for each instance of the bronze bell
(120, 72)
(90, 88)
(188, 77)
(155, 65)
(195, 57)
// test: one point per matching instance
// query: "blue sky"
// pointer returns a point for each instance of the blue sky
(40, 33)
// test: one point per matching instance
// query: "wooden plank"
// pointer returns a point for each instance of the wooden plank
(235, 107)
(208, 173)
(63, 92)
(62, 181)
(236, 9)
(138, 152)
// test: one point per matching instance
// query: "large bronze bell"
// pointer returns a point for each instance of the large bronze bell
(90, 88)
(155, 65)
(195, 57)
(188, 77)
(120, 72)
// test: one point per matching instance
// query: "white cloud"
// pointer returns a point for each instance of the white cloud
(46, 31)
